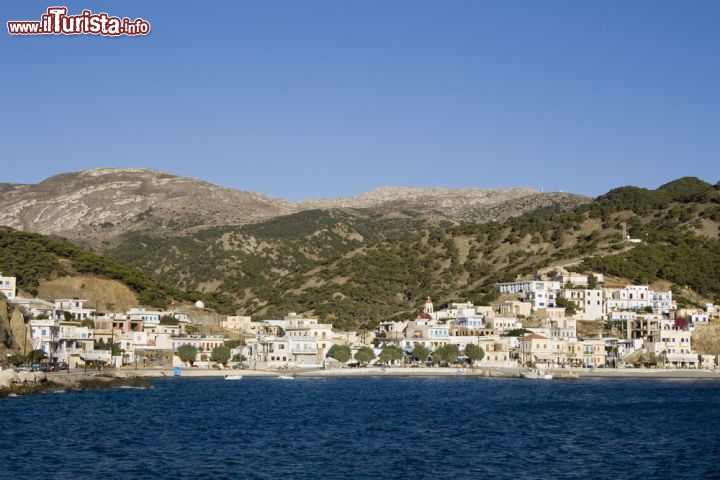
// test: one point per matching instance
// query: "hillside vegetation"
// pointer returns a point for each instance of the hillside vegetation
(353, 267)
(33, 258)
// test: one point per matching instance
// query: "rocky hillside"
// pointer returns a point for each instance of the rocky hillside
(354, 267)
(469, 204)
(94, 207)
(358, 266)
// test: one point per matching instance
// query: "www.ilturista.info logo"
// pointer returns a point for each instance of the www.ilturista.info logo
(57, 22)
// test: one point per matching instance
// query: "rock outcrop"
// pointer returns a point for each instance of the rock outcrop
(21, 383)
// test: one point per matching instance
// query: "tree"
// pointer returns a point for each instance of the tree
(192, 329)
(390, 354)
(169, 320)
(364, 355)
(341, 353)
(239, 357)
(88, 322)
(35, 355)
(232, 344)
(592, 281)
(475, 353)
(220, 354)
(446, 354)
(16, 359)
(568, 305)
(421, 353)
(517, 332)
(187, 353)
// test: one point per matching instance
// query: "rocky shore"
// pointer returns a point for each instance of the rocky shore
(22, 383)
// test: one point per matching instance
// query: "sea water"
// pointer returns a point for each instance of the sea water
(380, 428)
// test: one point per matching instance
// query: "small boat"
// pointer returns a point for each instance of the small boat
(287, 377)
(536, 373)
(233, 377)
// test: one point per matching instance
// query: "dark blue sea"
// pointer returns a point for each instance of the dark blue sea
(404, 428)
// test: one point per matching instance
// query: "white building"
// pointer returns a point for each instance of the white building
(269, 351)
(662, 302)
(638, 297)
(632, 297)
(503, 324)
(427, 333)
(672, 346)
(148, 317)
(44, 335)
(524, 286)
(453, 310)
(302, 342)
(7, 286)
(75, 307)
(74, 343)
(309, 341)
(589, 304)
(564, 328)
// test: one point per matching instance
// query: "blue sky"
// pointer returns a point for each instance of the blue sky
(305, 99)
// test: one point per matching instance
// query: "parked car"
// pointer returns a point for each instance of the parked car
(62, 366)
(50, 367)
(23, 368)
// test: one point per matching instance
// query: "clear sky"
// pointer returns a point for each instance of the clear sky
(326, 98)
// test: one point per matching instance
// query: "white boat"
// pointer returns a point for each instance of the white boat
(233, 377)
(287, 377)
(536, 373)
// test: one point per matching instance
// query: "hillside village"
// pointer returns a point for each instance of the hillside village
(534, 324)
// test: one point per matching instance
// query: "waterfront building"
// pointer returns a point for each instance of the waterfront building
(672, 346)
(586, 353)
(75, 344)
(44, 335)
(535, 348)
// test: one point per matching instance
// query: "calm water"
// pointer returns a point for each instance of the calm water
(410, 428)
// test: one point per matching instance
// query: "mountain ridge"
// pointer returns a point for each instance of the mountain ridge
(95, 206)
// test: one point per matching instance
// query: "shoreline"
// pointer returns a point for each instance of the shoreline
(15, 384)
(495, 372)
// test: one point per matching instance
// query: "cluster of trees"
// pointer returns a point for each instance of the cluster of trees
(17, 359)
(443, 355)
(221, 354)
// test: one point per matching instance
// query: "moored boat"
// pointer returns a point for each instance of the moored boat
(536, 373)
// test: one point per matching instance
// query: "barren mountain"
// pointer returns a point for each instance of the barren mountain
(103, 203)
(473, 204)
(451, 202)
(99, 205)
